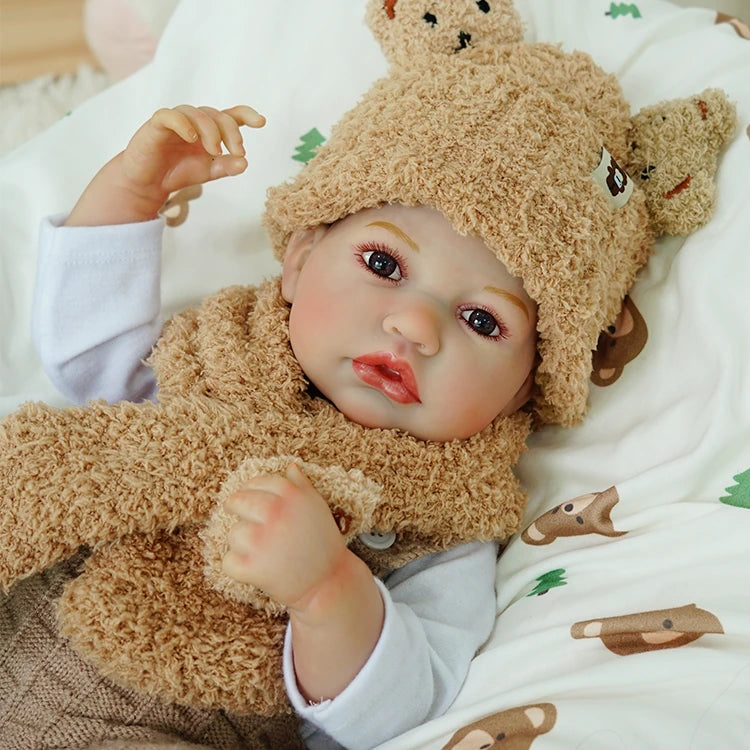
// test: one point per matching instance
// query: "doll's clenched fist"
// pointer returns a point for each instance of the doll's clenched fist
(285, 541)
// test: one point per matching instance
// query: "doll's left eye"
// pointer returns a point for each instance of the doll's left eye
(482, 322)
(484, 6)
(382, 264)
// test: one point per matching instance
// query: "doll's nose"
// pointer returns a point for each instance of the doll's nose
(419, 324)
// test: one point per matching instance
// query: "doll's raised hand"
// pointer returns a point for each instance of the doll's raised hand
(174, 149)
(183, 146)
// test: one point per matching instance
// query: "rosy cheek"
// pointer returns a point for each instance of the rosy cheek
(464, 398)
(312, 312)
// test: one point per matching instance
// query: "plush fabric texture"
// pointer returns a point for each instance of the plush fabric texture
(502, 137)
(138, 482)
(675, 147)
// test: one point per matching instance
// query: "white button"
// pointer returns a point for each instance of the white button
(376, 540)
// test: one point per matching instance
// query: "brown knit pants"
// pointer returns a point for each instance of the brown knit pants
(51, 700)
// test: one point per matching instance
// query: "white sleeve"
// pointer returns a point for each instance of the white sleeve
(438, 611)
(96, 307)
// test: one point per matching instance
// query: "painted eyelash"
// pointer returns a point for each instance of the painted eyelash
(379, 247)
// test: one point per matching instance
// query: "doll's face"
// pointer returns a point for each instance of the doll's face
(403, 323)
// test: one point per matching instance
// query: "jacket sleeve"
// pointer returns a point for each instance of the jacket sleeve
(96, 308)
(438, 611)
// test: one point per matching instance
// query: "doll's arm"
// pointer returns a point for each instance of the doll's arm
(439, 610)
(286, 542)
(96, 308)
(174, 149)
(113, 264)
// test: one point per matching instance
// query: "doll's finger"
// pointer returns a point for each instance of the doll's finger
(229, 129)
(235, 566)
(208, 131)
(200, 167)
(177, 122)
(251, 504)
(244, 115)
(226, 166)
(297, 477)
(241, 537)
(271, 483)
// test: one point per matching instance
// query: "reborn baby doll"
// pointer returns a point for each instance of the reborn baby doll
(521, 145)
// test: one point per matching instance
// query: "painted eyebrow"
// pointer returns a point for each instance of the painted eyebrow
(393, 229)
(510, 297)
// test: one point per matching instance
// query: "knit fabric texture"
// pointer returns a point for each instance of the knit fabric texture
(51, 699)
(522, 145)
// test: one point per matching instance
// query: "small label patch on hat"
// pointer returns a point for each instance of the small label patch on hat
(611, 178)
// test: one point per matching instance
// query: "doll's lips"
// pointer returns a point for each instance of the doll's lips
(389, 374)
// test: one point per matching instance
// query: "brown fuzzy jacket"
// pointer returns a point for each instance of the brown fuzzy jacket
(138, 482)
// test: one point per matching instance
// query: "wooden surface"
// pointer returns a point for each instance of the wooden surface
(41, 36)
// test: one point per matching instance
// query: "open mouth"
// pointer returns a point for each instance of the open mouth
(391, 376)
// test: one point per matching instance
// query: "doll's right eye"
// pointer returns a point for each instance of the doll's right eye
(381, 263)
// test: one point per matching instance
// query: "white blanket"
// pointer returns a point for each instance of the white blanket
(667, 551)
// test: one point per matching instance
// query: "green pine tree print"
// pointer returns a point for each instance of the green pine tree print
(623, 9)
(548, 581)
(739, 494)
(311, 142)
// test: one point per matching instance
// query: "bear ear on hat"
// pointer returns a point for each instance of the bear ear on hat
(407, 28)
(674, 153)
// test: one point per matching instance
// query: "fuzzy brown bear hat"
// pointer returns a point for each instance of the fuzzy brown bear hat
(518, 144)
